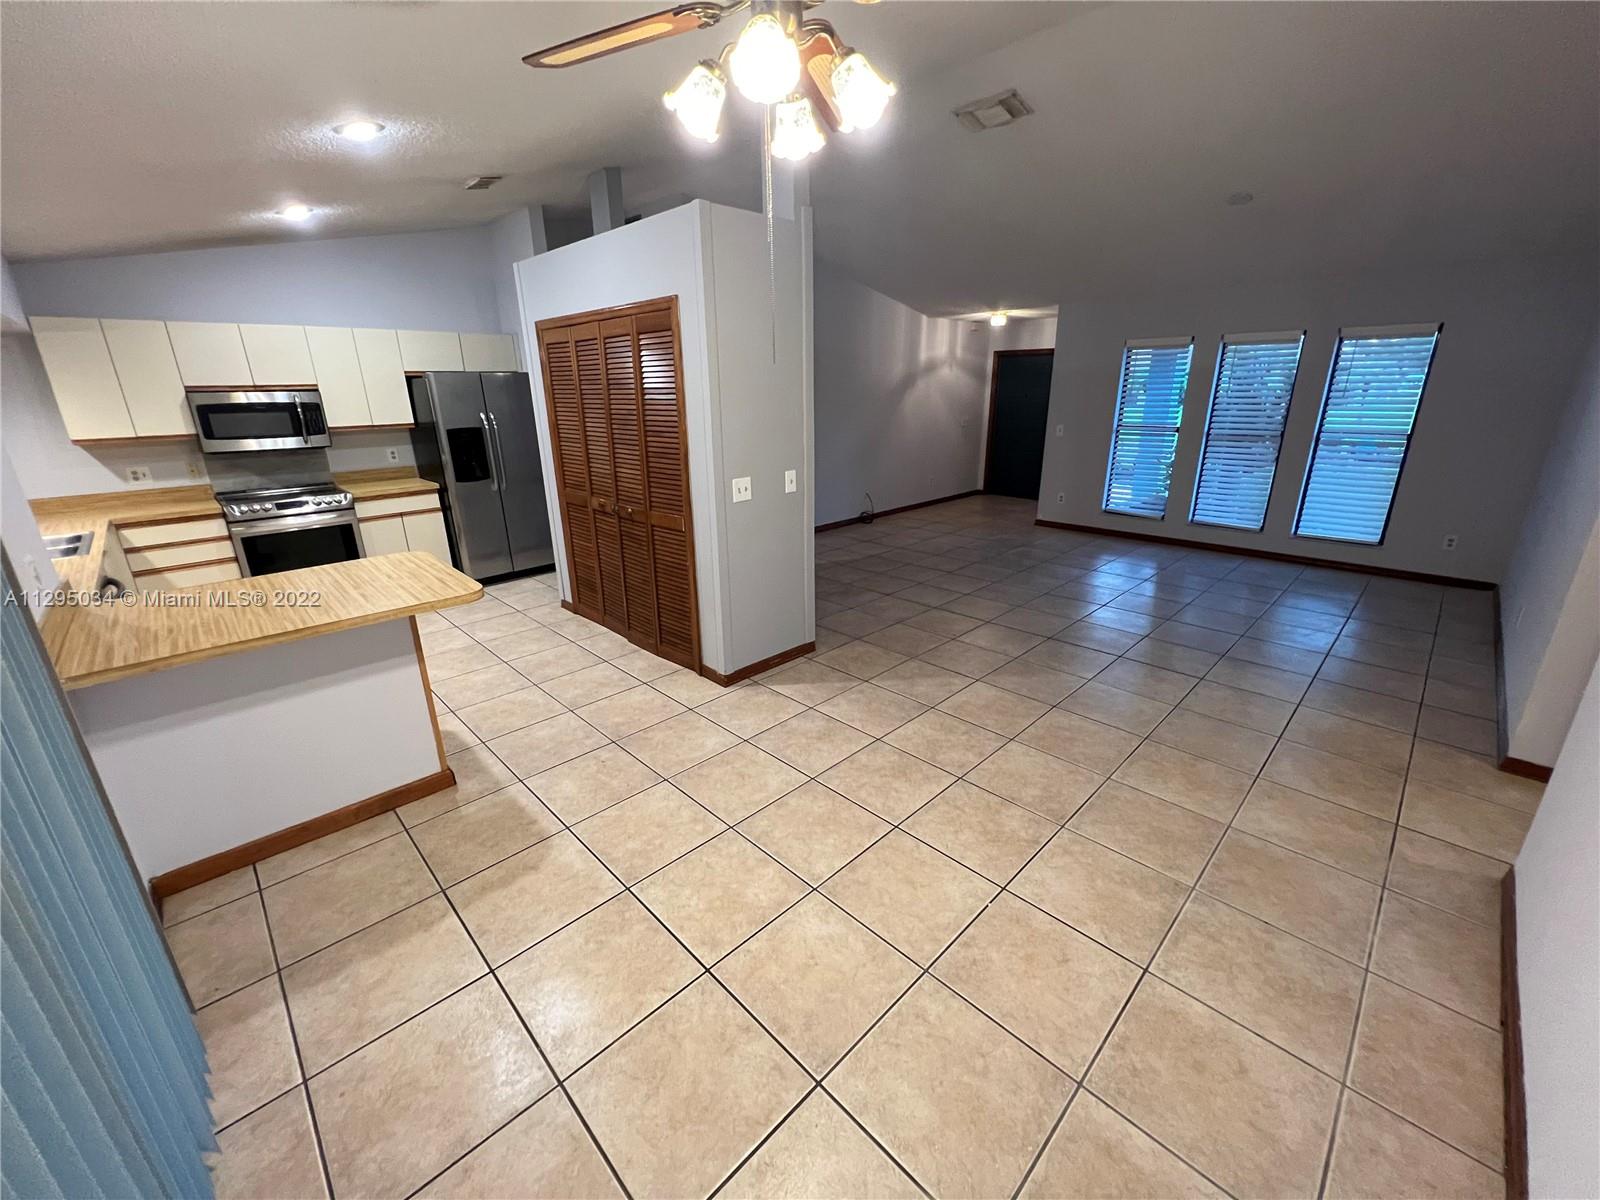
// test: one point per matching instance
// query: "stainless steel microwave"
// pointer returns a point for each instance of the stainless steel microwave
(228, 422)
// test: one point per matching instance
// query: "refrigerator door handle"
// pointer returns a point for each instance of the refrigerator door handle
(488, 444)
(499, 450)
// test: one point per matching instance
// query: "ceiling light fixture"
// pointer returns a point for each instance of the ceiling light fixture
(296, 212)
(765, 61)
(795, 134)
(359, 131)
(697, 101)
(861, 93)
(997, 320)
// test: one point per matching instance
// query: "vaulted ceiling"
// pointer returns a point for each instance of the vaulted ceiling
(1372, 136)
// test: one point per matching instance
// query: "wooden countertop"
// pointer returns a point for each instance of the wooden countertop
(95, 643)
(99, 643)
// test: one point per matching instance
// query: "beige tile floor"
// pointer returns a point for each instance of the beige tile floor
(1066, 866)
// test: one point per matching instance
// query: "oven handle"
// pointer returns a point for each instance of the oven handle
(244, 529)
(488, 444)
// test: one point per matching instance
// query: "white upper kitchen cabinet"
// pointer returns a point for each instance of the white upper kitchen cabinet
(210, 354)
(278, 354)
(338, 374)
(388, 399)
(82, 377)
(488, 352)
(424, 350)
(148, 371)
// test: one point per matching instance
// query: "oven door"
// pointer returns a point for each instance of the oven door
(233, 421)
(289, 543)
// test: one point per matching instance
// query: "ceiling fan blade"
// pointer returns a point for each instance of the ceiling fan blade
(666, 23)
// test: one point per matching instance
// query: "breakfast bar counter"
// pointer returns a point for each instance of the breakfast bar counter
(232, 720)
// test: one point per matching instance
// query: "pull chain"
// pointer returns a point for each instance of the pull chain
(766, 203)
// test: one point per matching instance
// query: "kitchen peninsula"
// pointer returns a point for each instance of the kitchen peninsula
(234, 719)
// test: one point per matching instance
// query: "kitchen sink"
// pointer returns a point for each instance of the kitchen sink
(69, 545)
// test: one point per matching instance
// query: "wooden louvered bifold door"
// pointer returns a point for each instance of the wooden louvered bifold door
(615, 396)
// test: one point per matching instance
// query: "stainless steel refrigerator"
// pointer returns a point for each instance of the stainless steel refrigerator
(475, 437)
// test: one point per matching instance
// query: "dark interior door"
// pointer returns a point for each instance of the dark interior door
(1019, 410)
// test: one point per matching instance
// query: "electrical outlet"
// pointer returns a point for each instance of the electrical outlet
(1450, 540)
(138, 474)
(196, 471)
(394, 455)
(741, 489)
(1061, 497)
(789, 483)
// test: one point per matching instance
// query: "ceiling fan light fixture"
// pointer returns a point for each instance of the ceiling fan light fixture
(765, 61)
(795, 132)
(859, 91)
(697, 101)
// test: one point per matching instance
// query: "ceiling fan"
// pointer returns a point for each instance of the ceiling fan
(797, 67)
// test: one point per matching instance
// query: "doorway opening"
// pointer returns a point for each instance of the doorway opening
(1019, 412)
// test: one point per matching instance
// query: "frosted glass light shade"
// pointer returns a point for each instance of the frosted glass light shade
(697, 101)
(765, 62)
(859, 91)
(795, 133)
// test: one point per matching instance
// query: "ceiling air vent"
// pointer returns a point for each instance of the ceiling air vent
(993, 111)
(479, 182)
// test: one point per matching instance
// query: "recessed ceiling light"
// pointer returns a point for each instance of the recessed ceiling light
(358, 131)
(1236, 199)
(296, 212)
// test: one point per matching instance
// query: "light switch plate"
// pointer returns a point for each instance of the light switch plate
(741, 489)
(789, 483)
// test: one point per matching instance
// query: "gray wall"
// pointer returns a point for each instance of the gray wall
(1558, 972)
(899, 400)
(744, 403)
(1550, 602)
(443, 279)
(455, 279)
(1513, 334)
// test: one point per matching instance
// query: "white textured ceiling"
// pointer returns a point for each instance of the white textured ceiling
(1370, 134)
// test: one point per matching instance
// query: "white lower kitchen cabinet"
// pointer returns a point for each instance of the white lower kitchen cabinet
(425, 532)
(181, 577)
(387, 535)
(148, 371)
(84, 381)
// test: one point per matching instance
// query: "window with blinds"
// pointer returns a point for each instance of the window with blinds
(1363, 433)
(1244, 428)
(1149, 409)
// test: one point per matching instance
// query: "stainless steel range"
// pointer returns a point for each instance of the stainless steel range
(282, 529)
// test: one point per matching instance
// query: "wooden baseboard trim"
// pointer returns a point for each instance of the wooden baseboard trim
(1516, 1098)
(219, 864)
(1303, 560)
(756, 668)
(889, 512)
(1526, 769)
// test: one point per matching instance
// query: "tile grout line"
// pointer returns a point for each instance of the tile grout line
(856, 681)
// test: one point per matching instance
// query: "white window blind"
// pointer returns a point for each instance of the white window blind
(1255, 380)
(1374, 389)
(1149, 410)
